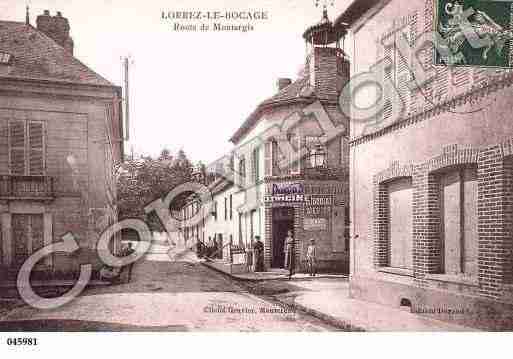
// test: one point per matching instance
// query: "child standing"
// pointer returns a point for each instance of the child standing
(310, 258)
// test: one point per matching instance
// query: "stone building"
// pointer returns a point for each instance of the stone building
(431, 188)
(308, 194)
(60, 138)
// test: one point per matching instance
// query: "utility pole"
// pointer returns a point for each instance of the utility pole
(126, 67)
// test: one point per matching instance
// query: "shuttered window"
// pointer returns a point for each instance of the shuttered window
(26, 148)
(400, 72)
(17, 147)
(4, 146)
(36, 149)
(268, 158)
(295, 156)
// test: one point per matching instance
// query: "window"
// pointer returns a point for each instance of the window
(252, 225)
(26, 148)
(280, 163)
(215, 210)
(295, 156)
(242, 172)
(231, 207)
(256, 165)
(400, 229)
(275, 157)
(241, 239)
(458, 212)
(399, 73)
(317, 152)
(5, 58)
(225, 208)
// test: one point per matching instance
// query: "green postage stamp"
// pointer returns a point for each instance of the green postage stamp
(474, 32)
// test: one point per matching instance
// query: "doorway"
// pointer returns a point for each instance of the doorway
(283, 221)
(27, 231)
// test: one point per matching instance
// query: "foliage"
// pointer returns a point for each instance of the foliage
(145, 179)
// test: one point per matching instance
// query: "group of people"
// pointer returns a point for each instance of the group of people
(288, 249)
(210, 249)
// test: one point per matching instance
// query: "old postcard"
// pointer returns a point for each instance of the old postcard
(236, 166)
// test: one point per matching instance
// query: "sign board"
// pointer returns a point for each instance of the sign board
(315, 224)
(317, 211)
(319, 200)
(285, 198)
(287, 188)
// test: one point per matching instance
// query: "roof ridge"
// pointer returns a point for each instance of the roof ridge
(38, 56)
(72, 54)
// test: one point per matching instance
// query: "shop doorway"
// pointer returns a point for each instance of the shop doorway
(283, 221)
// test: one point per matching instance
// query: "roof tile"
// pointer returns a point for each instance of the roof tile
(37, 56)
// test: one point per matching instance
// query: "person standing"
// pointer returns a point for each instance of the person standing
(129, 251)
(311, 254)
(287, 248)
(258, 249)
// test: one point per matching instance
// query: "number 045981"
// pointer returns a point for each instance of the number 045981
(22, 341)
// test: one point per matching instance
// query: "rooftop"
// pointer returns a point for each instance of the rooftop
(35, 56)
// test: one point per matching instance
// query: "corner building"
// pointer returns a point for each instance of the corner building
(60, 139)
(309, 196)
(432, 189)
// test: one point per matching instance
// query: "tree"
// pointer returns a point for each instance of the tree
(143, 180)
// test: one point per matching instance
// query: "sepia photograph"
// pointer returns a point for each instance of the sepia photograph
(223, 166)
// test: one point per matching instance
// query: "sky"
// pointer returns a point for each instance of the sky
(189, 90)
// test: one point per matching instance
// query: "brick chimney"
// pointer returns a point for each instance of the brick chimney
(57, 28)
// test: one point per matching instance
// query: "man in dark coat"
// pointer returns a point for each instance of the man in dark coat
(258, 249)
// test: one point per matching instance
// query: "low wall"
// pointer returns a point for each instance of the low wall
(448, 306)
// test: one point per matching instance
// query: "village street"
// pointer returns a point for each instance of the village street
(168, 296)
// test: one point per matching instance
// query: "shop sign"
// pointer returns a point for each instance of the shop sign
(287, 189)
(285, 198)
(317, 211)
(319, 200)
(315, 224)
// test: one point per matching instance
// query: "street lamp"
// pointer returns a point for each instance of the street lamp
(317, 156)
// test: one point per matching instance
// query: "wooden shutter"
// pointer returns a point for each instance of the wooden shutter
(36, 148)
(403, 73)
(275, 158)
(442, 84)
(414, 94)
(428, 53)
(4, 146)
(295, 155)
(17, 147)
(268, 158)
(389, 76)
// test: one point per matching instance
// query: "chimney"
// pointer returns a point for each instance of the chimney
(283, 82)
(57, 28)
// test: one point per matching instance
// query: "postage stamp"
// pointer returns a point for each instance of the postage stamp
(477, 32)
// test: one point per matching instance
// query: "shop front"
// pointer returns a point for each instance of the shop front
(309, 210)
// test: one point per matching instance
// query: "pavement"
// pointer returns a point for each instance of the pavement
(327, 298)
(166, 295)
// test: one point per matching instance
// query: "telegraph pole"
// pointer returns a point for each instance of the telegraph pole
(126, 67)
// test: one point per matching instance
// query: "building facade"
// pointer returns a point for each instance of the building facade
(431, 189)
(304, 189)
(60, 138)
